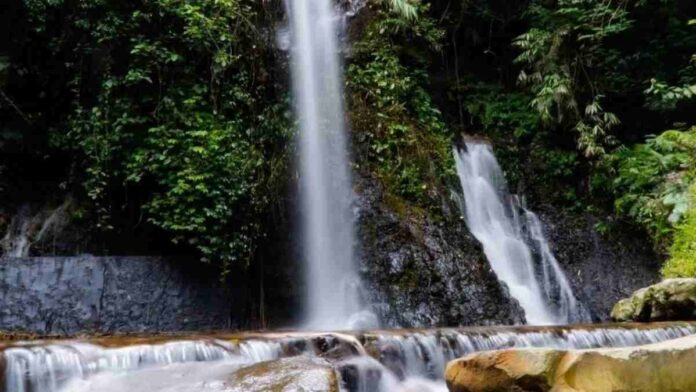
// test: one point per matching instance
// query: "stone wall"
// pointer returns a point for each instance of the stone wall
(65, 295)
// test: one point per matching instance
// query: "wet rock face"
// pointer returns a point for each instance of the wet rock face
(665, 366)
(671, 299)
(420, 272)
(65, 295)
(601, 268)
(286, 375)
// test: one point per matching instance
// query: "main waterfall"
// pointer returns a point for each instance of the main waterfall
(513, 241)
(333, 294)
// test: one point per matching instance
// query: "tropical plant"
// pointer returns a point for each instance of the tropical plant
(682, 260)
(172, 107)
(563, 55)
(393, 116)
(653, 180)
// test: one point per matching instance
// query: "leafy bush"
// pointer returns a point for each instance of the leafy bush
(563, 54)
(174, 107)
(394, 120)
(652, 182)
(682, 261)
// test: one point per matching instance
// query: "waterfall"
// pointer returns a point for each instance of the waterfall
(27, 229)
(380, 361)
(333, 286)
(513, 240)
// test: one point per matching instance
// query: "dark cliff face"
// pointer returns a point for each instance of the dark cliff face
(601, 269)
(420, 271)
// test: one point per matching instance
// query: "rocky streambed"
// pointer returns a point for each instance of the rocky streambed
(380, 361)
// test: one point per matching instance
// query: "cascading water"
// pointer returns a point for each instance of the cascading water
(73, 367)
(333, 295)
(27, 228)
(513, 240)
(392, 361)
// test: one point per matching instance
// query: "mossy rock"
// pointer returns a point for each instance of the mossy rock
(669, 300)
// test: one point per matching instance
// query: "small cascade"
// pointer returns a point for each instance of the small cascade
(388, 361)
(513, 241)
(50, 368)
(26, 229)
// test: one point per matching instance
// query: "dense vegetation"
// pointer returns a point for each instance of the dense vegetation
(174, 115)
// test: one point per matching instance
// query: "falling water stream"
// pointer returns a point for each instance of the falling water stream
(333, 294)
(513, 240)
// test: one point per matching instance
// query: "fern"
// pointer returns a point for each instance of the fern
(682, 261)
(404, 8)
(653, 182)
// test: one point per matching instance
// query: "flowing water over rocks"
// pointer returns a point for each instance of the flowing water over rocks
(379, 361)
(513, 240)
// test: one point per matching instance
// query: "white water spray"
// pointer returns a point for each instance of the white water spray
(513, 241)
(402, 360)
(333, 294)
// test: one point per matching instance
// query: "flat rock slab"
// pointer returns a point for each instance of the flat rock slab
(663, 367)
(296, 374)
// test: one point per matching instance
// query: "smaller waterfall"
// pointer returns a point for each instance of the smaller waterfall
(513, 241)
(25, 230)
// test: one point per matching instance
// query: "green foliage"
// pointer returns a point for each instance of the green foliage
(405, 8)
(172, 108)
(652, 182)
(682, 261)
(394, 119)
(664, 97)
(179, 108)
(206, 171)
(563, 54)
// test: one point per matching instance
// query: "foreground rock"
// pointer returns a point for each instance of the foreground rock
(297, 374)
(671, 299)
(666, 366)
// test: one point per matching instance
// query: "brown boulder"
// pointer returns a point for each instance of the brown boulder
(661, 367)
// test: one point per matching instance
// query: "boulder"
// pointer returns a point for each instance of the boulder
(666, 366)
(505, 370)
(296, 374)
(669, 300)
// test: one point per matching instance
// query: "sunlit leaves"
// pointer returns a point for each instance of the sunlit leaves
(404, 8)
(682, 261)
(653, 181)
